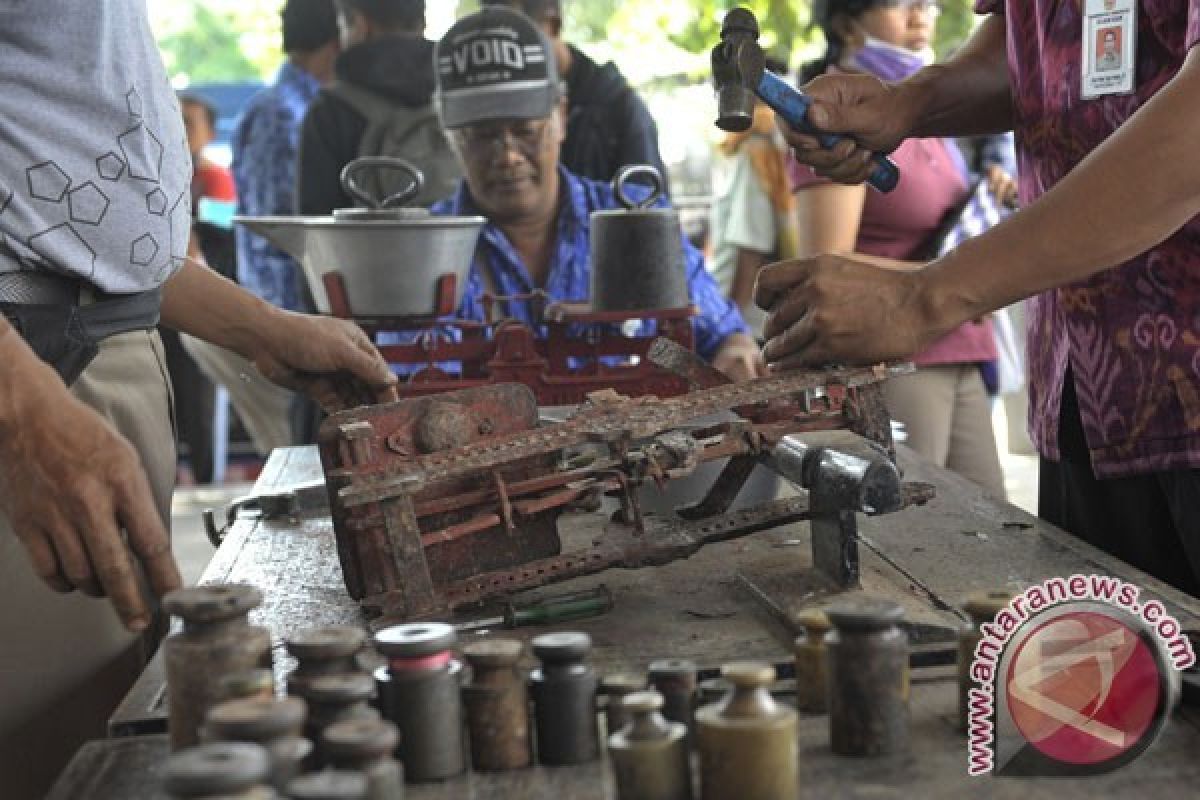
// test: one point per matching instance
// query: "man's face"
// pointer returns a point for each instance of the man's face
(352, 28)
(511, 165)
(199, 130)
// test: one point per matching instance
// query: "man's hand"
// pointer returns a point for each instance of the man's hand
(69, 484)
(875, 117)
(841, 310)
(332, 360)
(740, 358)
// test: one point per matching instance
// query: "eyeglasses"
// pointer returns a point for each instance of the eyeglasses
(931, 7)
(526, 135)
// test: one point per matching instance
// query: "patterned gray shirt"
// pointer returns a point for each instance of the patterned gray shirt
(94, 165)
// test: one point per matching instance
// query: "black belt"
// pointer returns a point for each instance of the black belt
(64, 319)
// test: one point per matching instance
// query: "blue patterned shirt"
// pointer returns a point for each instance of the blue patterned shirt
(265, 147)
(569, 279)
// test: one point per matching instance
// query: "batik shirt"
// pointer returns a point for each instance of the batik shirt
(569, 279)
(1131, 334)
(265, 145)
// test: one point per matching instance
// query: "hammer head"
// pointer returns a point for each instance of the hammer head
(738, 63)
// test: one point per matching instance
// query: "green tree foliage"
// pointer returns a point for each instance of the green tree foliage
(217, 40)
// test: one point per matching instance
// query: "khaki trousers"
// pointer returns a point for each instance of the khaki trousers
(65, 660)
(949, 418)
(262, 406)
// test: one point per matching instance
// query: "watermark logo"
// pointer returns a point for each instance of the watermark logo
(1074, 677)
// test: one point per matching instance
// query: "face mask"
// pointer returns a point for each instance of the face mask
(888, 62)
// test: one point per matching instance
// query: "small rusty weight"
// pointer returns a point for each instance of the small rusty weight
(982, 607)
(868, 678)
(274, 724)
(613, 688)
(421, 692)
(675, 680)
(333, 698)
(329, 785)
(650, 756)
(564, 699)
(331, 650)
(496, 702)
(812, 670)
(367, 746)
(748, 742)
(218, 770)
(217, 640)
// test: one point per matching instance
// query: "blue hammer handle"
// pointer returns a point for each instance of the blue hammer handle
(792, 104)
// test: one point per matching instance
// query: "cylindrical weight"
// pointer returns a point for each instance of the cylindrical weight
(649, 756)
(223, 769)
(868, 678)
(331, 650)
(564, 699)
(366, 746)
(613, 688)
(812, 679)
(496, 702)
(982, 607)
(420, 691)
(675, 680)
(274, 724)
(216, 641)
(748, 742)
(334, 698)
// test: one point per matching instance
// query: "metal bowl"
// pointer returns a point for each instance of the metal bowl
(390, 267)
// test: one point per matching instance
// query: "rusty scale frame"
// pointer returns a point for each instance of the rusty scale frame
(440, 503)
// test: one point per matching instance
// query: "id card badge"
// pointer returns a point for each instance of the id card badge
(1109, 60)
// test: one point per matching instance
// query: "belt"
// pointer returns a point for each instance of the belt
(45, 289)
(100, 314)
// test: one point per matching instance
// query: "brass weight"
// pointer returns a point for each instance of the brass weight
(649, 755)
(812, 663)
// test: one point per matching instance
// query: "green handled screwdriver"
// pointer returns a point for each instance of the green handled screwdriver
(547, 611)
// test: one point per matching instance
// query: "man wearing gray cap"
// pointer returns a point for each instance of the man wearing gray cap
(500, 97)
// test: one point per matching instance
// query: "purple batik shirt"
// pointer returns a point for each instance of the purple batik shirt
(1131, 334)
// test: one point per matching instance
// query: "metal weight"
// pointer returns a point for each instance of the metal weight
(613, 688)
(330, 650)
(564, 700)
(496, 702)
(335, 698)
(868, 678)
(675, 680)
(274, 724)
(366, 746)
(420, 691)
(637, 252)
(329, 785)
(748, 742)
(223, 769)
(812, 670)
(649, 756)
(217, 640)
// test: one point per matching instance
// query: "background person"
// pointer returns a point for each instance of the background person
(944, 405)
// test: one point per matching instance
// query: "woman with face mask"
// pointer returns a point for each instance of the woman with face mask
(944, 404)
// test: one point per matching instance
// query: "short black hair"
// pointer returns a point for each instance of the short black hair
(536, 10)
(210, 110)
(308, 25)
(398, 14)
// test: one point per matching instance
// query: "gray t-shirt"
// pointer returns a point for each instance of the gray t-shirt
(94, 165)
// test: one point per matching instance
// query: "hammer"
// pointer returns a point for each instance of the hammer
(740, 72)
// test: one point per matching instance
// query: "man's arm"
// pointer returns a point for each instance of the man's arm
(839, 309)
(967, 95)
(69, 483)
(331, 359)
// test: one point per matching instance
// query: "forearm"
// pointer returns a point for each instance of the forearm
(22, 370)
(969, 94)
(200, 302)
(1090, 221)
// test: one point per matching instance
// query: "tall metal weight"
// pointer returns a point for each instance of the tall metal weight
(748, 742)
(420, 691)
(366, 746)
(564, 699)
(496, 702)
(675, 680)
(217, 640)
(324, 651)
(868, 678)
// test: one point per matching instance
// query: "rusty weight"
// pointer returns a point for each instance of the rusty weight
(331, 650)
(496, 702)
(217, 640)
(274, 724)
(224, 770)
(367, 746)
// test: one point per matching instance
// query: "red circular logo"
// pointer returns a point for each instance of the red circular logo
(1084, 688)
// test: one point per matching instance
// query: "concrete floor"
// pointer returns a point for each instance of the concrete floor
(193, 550)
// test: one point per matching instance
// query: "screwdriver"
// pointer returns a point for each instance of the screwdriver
(547, 610)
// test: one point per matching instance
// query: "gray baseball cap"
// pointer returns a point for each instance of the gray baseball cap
(496, 64)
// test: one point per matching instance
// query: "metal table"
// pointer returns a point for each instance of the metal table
(927, 558)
